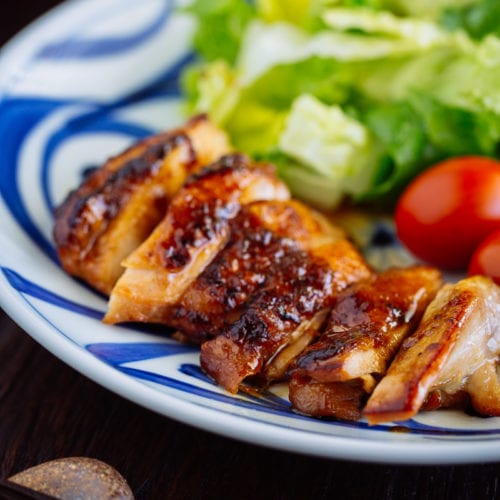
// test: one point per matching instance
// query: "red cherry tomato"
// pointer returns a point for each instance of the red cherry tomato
(449, 209)
(486, 259)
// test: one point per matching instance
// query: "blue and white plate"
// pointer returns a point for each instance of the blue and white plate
(78, 86)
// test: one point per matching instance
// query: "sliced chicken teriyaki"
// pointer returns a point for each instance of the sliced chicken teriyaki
(284, 315)
(179, 230)
(117, 206)
(262, 231)
(193, 232)
(334, 376)
(453, 353)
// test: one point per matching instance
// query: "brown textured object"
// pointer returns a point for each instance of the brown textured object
(75, 477)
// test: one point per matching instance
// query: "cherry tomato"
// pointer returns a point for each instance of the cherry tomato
(486, 258)
(449, 209)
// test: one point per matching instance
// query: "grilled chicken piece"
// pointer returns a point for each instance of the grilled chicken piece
(119, 204)
(341, 400)
(370, 319)
(284, 315)
(262, 230)
(195, 229)
(454, 351)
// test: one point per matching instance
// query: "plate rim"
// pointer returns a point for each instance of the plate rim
(314, 444)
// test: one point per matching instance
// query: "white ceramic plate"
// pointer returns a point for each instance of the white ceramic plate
(76, 87)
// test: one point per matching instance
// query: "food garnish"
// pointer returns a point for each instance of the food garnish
(448, 210)
(351, 100)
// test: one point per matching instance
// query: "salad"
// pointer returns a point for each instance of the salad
(350, 99)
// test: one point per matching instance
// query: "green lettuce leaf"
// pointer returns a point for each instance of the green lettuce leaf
(453, 130)
(479, 19)
(479, 76)
(417, 32)
(419, 132)
(317, 76)
(305, 182)
(428, 9)
(333, 146)
(400, 131)
(265, 46)
(220, 26)
(255, 128)
(302, 13)
(355, 108)
(211, 88)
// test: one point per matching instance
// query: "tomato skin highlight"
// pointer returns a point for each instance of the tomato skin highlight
(446, 211)
(486, 258)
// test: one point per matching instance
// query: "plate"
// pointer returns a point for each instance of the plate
(79, 85)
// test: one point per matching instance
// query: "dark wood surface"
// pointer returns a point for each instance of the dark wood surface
(48, 411)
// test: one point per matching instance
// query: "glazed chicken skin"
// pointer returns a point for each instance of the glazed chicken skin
(335, 374)
(453, 353)
(179, 230)
(195, 229)
(284, 315)
(262, 230)
(117, 206)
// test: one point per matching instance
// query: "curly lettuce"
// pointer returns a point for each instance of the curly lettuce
(351, 99)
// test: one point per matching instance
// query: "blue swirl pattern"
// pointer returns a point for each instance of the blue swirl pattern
(81, 48)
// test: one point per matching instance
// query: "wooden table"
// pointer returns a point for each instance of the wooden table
(48, 410)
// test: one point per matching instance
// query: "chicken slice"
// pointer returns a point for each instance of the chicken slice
(261, 231)
(370, 319)
(293, 303)
(117, 206)
(194, 230)
(341, 400)
(454, 350)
